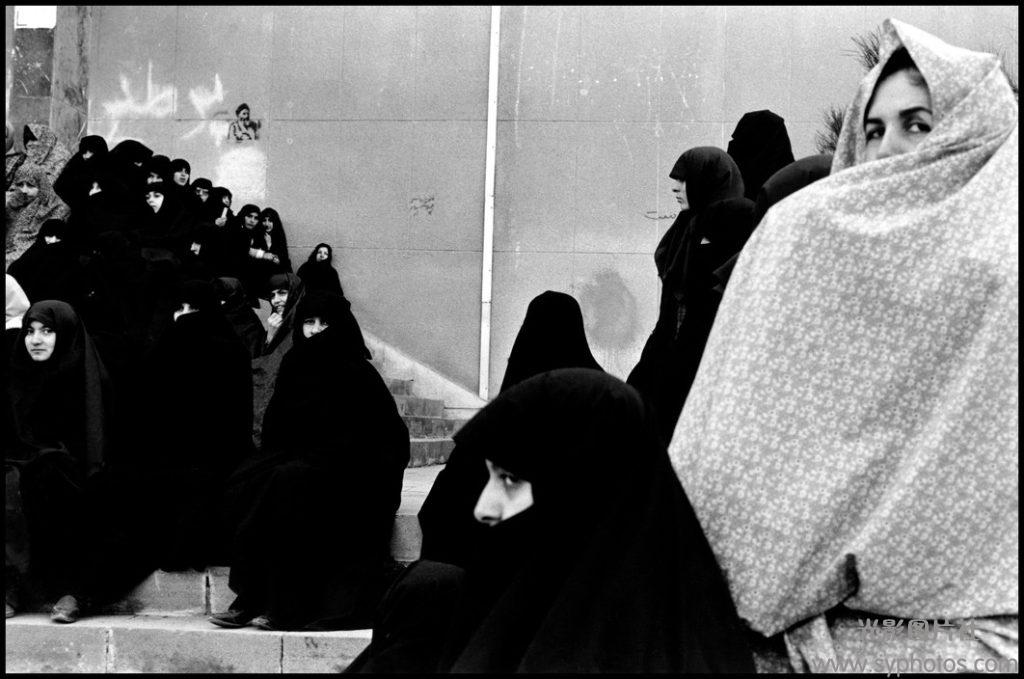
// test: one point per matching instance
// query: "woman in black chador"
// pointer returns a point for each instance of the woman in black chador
(760, 146)
(58, 412)
(318, 272)
(593, 560)
(552, 336)
(713, 224)
(313, 515)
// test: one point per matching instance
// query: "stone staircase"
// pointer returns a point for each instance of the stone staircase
(161, 626)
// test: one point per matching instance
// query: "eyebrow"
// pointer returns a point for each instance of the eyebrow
(903, 114)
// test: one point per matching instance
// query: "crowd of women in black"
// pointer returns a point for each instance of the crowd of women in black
(560, 536)
(142, 428)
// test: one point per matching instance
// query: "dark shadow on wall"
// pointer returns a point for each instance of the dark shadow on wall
(610, 311)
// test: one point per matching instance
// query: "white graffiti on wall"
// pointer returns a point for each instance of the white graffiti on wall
(243, 170)
(157, 103)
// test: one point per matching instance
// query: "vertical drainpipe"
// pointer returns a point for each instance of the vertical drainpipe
(488, 246)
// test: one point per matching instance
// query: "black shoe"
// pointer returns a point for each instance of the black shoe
(264, 622)
(232, 618)
(66, 610)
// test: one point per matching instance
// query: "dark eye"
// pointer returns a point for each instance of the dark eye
(509, 481)
(874, 133)
(919, 126)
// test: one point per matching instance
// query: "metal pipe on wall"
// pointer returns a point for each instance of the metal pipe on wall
(488, 245)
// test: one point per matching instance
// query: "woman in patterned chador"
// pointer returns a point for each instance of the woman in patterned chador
(850, 440)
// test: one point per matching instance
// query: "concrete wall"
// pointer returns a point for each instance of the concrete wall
(374, 130)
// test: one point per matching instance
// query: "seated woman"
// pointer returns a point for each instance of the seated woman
(75, 180)
(552, 336)
(190, 413)
(247, 222)
(713, 224)
(593, 560)
(334, 452)
(286, 291)
(240, 315)
(60, 403)
(268, 247)
(31, 202)
(318, 272)
(165, 229)
(51, 268)
(850, 441)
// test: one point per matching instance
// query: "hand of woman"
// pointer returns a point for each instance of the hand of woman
(273, 258)
(220, 221)
(274, 320)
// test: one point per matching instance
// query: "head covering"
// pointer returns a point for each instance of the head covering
(296, 290)
(710, 175)
(580, 568)
(552, 336)
(319, 275)
(180, 164)
(790, 179)
(161, 166)
(851, 435)
(94, 143)
(202, 183)
(45, 149)
(760, 146)
(25, 215)
(278, 243)
(65, 401)
(334, 311)
(17, 302)
(241, 107)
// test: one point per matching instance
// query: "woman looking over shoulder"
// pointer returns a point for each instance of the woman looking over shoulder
(850, 441)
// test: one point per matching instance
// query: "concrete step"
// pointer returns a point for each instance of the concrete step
(157, 644)
(399, 387)
(424, 452)
(430, 427)
(198, 593)
(414, 406)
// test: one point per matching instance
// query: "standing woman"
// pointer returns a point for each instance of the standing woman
(850, 443)
(713, 223)
(334, 452)
(552, 336)
(760, 146)
(318, 272)
(592, 560)
(61, 403)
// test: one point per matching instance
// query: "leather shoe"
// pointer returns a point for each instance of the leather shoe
(66, 610)
(232, 618)
(264, 622)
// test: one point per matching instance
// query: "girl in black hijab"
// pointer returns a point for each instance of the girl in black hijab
(181, 172)
(712, 226)
(247, 221)
(552, 336)
(318, 272)
(760, 146)
(286, 291)
(334, 452)
(158, 169)
(60, 408)
(269, 245)
(593, 559)
(167, 226)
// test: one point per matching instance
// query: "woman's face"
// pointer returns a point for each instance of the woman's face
(899, 115)
(155, 199)
(184, 310)
(203, 193)
(268, 224)
(50, 240)
(226, 199)
(27, 187)
(40, 341)
(153, 178)
(278, 299)
(504, 496)
(313, 326)
(322, 254)
(679, 193)
(181, 177)
(251, 220)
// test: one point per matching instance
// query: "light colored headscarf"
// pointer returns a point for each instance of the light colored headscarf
(17, 302)
(851, 435)
(23, 218)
